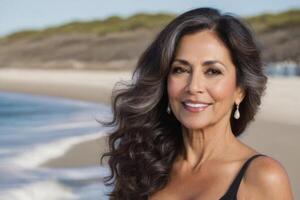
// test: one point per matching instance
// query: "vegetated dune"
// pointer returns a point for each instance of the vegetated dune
(77, 50)
(116, 43)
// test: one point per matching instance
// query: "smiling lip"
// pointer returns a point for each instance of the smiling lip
(195, 106)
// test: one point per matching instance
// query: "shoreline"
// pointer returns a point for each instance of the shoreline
(90, 86)
(278, 117)
(83, 154)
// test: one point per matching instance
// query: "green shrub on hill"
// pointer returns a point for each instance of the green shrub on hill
(268, 22)
(113, 24)
(101, 27)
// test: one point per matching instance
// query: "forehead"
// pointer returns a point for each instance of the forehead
(201, 46)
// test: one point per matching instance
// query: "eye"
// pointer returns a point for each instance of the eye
(213, 71)
(178, 70)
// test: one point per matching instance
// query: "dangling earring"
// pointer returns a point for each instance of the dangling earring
(168, 109)
(237, 112)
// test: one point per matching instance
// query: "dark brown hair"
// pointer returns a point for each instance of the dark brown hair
(146, 139)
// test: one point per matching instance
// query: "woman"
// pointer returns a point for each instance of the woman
(195, 89)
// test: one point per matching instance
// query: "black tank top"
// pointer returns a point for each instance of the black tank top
(233, 189)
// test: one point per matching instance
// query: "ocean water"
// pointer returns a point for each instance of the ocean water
(34, 129)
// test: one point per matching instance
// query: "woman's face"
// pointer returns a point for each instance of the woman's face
(202, 81)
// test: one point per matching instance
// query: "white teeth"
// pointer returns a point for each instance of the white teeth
(198, 105)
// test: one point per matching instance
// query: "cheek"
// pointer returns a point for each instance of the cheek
(174, 87)
(222, 90)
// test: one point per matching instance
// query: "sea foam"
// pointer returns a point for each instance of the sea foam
(45, 190)
(41, 153)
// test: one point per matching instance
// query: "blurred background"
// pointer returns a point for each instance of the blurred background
(59, 61)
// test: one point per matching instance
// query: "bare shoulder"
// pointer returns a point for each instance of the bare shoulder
(266, 178)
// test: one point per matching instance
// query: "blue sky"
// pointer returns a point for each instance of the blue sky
(18, 15)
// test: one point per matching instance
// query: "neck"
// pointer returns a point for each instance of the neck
(206, 144)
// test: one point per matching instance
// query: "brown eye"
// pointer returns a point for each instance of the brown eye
(212, 71)
(178, 70)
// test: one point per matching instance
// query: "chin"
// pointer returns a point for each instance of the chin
(194, 124)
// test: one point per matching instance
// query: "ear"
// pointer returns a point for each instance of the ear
(239, 95)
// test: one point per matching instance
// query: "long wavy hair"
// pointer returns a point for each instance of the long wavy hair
(146, 139)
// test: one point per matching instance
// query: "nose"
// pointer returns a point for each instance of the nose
(196, 83)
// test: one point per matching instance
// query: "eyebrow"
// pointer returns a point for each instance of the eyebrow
(205, 63)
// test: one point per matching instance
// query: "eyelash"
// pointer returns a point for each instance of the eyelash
(175, 70)
(214, 71)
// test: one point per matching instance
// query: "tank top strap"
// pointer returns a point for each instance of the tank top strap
(233, 189)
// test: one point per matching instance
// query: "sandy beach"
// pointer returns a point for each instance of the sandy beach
(275, 132)
(89, 85)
